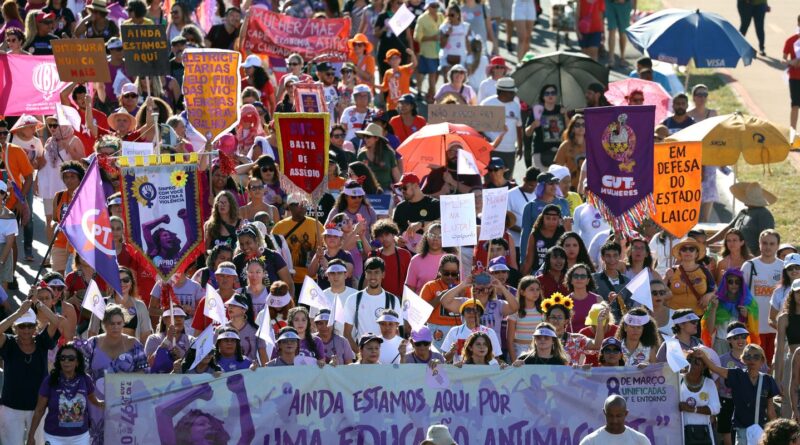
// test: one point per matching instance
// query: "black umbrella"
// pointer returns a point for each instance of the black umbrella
(571, 72)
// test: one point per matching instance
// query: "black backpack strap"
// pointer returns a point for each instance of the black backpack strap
(359, 294)
(752, 273)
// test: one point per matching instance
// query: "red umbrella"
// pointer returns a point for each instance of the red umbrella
(654, 94)
(426, 148)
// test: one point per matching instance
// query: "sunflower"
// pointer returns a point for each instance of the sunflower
(568, 303)
(179, 178)
(546, 305)
(557, 298)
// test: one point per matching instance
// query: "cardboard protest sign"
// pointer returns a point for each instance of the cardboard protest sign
(481, 118)
(146, 50)
(211, 90)
(458, 220)
(81, 60)
(677, 190)
(276, 34)
(303, 139)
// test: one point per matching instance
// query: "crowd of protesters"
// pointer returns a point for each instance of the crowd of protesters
(550, 291)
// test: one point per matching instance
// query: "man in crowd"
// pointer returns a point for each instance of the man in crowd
(510, 142)
(303, 233)
(416, 208)
(615, 431)
(679, 119)
(223, 35)
(363, 308)
(761, 275)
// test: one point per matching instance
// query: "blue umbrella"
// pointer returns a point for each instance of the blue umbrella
(679, 35)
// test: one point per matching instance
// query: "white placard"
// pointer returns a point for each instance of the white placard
(93, 301)
(493, 217)
(203, 345)
(214, 307)
(137, 148)
(401, 20)
(466, 163)
(415, 310)
(676, 359)
(458, 220)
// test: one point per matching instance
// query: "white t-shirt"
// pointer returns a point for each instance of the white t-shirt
(188, 294)
(516, 204)
(339, 301)
(49, 176)
(603, 437)
(389, 350)
(513, 121)
(778, 297)
(765, 279)
(368, 311)
(707, 396)
(587, 222)
(487, 89)
(353, 121)
(8, 227)
(457, 42)
(474, 80)
(331, 95)
(461, 332)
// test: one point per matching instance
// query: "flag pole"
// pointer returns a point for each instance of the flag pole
(47, 253)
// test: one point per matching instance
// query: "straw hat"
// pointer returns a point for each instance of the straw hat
(360, 38)
(372, 129)
(121, 112)
(676, 248)
(99, 6)
(752, 195)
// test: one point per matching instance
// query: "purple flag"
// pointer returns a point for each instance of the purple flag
(619, 152)
(87, 228)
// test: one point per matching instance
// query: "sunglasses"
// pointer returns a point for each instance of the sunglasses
(688, 249)
(578, 125)
(733, 281)
(255, 187)
(788, 269)
(52, 125)
(125, 280)
(612, 351)
(4, 133)
(658, 293)
(751, 357)
(422, 344)
(130, 96)
(481, 290)
(67, 358)
(701, 94)
(580, 276)
(294, 63)
(550, 93)
(450, 274)
(26, 326)
(433, 236)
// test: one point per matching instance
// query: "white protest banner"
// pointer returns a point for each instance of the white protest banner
(137, 148)
(458, 220)
(415, 310)
(639, 287)
(93, 301)
(401, 20)
(493, 217)
(313, 296)
(203, 345)
(466, 163)
(214, 307)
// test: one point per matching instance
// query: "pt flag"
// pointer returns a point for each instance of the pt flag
(87, 227)
(619, 152)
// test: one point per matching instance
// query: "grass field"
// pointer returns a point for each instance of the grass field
(780, 178)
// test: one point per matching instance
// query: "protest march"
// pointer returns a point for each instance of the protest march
(536, 220)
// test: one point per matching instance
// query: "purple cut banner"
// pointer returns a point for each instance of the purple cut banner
(619, 152)
(383, 404)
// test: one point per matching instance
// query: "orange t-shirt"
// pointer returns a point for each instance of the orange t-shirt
(401, 131)
(20, 166)
(396, 84)
(440, 315)
(61, 202)
(367, 64)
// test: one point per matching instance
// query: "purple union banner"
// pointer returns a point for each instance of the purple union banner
(619, 152)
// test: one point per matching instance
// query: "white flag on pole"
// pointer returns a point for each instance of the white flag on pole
(203, 345)
(639, 287)
(214, 308)
(264, 331)
(466, 163)
(401, 20)
(337, 311)
(93, 301)
(415, 310)
(313, 296)
(676, 359)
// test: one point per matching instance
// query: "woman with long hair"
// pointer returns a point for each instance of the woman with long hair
(251, 245)
(378, 155)
(576, 250)
(523, 323)
(65, 394)
(790, 273)
(64, 18)
(639, 258)
(661, 313)
(543, 129)
(788, 334)
(558, 313)
(287, 347)
(425, 264)
(359, 172)
(11, 17)
(639, 337)
(228, 351)
(137, 320)
(310, 346)
(572, 151)
(179, 17)
(267, 171)
(69, 321)
(545, 348)
(221, 227)
(407, 121)
(113, 351)
(685, 329)
(14, 38)
(169, 343)
(546, 231)
(734, 253)
(478, 350)
(580, 284)
(242, 320)
(553, 272)
(255, 191)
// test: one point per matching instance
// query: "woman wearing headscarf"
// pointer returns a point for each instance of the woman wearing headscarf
(734, 302)
(249, 127)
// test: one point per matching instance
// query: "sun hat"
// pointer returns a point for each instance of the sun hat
(360, 38)
(438, 435)
(496, 61)
(372, 129)
(394, 52)
(785, 246)
(676, 248)
(120, 112)
(99, 6)
(506, 84)
(752, 195)
(26, 120)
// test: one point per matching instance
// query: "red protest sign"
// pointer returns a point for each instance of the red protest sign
(281, 35)
(303, 139)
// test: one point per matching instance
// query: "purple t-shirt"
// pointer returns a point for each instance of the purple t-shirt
(231, 364)
(339, 347)
(67, 406)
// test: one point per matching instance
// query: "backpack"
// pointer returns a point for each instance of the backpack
(388, 304)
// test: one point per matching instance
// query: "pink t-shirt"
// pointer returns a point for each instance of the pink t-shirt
(421, 270)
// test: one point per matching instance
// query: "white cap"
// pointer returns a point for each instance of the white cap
(793, 259)
(228, 334)
(128, 88)
(28, 317)
(559, 171)
(251, 61)
(290, 78)
(174, 312)
(432, 2)
(288, 335)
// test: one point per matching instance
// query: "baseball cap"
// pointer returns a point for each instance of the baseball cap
(26, 318)
(42, 16)
(496, 163)
(114, 43)
(559, 171)
(407, 178)
(324, 66)
(611, 341)
(793, 259)
(407, 99)
(546, 177)
(422, 335)
(128, 88)
(368, 337)
(361, 89)
(251, 61)
(498, 264)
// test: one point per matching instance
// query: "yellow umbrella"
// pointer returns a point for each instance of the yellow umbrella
(725, 137)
